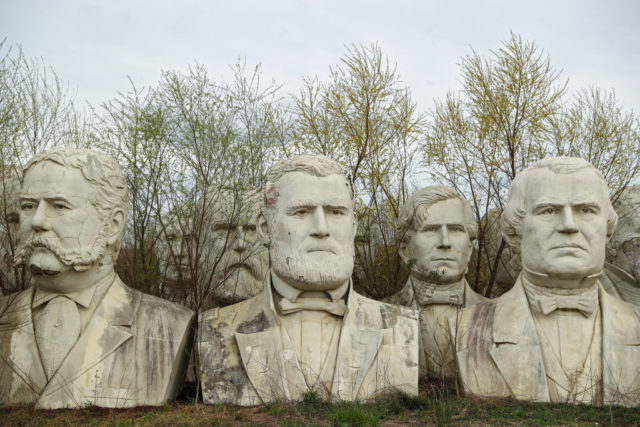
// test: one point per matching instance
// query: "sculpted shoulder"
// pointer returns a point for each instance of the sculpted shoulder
(387, 311)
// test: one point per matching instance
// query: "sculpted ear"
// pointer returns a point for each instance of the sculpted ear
(403, 251)
(116, 226)
(262, 228)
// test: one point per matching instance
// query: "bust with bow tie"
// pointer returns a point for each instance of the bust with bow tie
(556, 336)
(436, 228)
(80, 336)
(308, 330)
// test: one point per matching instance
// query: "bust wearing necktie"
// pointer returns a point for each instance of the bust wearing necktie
(556, 336)
(437, 227)
(308, 330)
(80, 336)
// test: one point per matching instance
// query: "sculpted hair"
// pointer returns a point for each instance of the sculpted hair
(319, 166)
(514, 211)
(414, 212)
(102, 172)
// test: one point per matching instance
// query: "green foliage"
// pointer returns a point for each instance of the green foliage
(364, 117)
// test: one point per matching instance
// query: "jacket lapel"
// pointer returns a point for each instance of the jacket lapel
(261, 352)
(107, 330)
(357, 349)
(620, 351)
(18, 347)
(516, 350)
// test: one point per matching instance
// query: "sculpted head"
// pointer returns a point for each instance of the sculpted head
(243, 260)
(624, 247)
(173, 244)
(559, 217)
(308, 222)
(73, 212)
(437, 227)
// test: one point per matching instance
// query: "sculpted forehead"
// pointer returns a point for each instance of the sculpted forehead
(298, 187)
(49, 179)
(450, 211)
(544, 186)
(236, 207)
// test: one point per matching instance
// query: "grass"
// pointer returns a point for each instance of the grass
(436, 405)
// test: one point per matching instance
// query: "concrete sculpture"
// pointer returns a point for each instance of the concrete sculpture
(623, 249)
(308, 330)
(437, 228)
(11, 279)
(80, 336)
(242, 260)
(556, 335)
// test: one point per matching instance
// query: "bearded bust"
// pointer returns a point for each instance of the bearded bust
(307, 330)
(80, 336)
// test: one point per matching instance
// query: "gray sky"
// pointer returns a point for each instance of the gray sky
(95, 44)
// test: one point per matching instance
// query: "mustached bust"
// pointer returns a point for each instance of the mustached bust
(308, 330)
(437, 227)
(557, 335)
(242, 261)
(80, 336)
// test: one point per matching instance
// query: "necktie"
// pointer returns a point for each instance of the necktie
(57, 329)
(426, 296)
(318, 304)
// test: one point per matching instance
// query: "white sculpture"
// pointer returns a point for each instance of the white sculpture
(242, 260)
(308, 330)
(80, 336)
(10, 278)
(623, 249)
(556, 335)
(437, 228)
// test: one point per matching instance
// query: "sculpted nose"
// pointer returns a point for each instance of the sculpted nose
(567, 222)
(320, 228)
(239, 243)
(444, 238)
(39, 221)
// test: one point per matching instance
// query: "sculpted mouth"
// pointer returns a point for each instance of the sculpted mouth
(42, 271)
(321, 250)
(569, 246)
(443, 259)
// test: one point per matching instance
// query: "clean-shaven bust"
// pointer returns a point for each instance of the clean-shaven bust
(437, 227)
(308, 330)
(73, 213)
(556, 335)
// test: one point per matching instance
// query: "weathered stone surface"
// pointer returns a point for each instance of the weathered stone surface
(437, 228)
(557, 335)
(132, 348)
(9, 189)
(307, 330)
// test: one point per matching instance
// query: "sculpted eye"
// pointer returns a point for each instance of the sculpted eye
(588, 210)
(301, 212)
(337, 211)
(547, 211)
(60, 206)
(27, 206)
(430, 228)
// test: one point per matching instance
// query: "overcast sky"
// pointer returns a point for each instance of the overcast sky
(95, 44)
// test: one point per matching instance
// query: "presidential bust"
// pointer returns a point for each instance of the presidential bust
(308, 330)
(242, 261)
(556, 336)
(80, 336)
(436, 227)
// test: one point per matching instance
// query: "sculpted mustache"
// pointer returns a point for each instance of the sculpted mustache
(70, 257)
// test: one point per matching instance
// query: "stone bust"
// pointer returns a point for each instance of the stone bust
(308, 330)
(556, 336)
(242, 260)
(80, 336)
(436, 227)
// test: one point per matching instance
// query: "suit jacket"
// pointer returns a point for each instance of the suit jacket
(132, 352)
(498, 350)
(242, 359)
(439, 367)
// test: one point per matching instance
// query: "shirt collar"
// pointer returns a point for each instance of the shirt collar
(82, 297)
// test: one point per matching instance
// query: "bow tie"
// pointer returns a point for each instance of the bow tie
(546, 305)
(543, 301)
(337, 308)
(433, 295)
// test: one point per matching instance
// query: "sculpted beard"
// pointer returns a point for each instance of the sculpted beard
(313, 271)
(80, 259)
